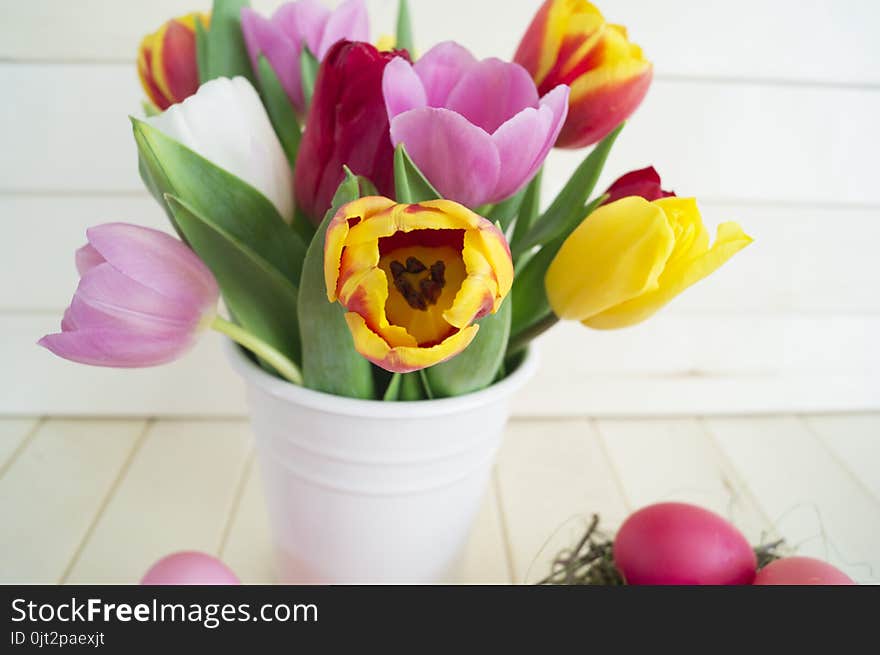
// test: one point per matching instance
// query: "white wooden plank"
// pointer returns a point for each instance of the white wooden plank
(13, 433)
(670, 366)
(814, 503)
(199, 384)
(47, 230)
(552, 477)
(54, 490)
(855, 440)
(177, 495)
(712, 140)
(779, 273)
(484, 560)
(675, 460)
(751, 38)
(248, 549)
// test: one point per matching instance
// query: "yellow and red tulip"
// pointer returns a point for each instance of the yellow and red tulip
(569, 42)
(414, 278)
(168, 63)
(631, 257)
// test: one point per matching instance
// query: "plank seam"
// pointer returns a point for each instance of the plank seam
(105, 501)
(730, 470)
(823, 443)
(595, 425)
(244, 478)
(716, 201)
(679, 78)
(22, 445)
(505, 531)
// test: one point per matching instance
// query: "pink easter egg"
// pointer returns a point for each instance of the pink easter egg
(801, 571)
(189, 568)
(680, 544)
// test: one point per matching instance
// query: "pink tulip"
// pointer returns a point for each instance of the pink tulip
(142, 299)
(295, 25)
(476, 129)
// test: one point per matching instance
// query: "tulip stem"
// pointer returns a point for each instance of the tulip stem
(520, 340)
(280, 362)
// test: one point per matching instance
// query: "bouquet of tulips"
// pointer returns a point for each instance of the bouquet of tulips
(372, 218)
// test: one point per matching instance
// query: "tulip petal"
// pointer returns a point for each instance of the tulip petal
(145, 67)
(87, 258)
(118, 348)
(616, 254)
(335, 241)
(105, 296)
(177, 73)
(525, 140)
(226, 123)
(402, 88)
(404, 359)
(492, 92)
(349, 21)
(267, 37)
(678, 277)
(644, 182)
(441, 69)
(457, 157)
(303, 22)
(156, 260)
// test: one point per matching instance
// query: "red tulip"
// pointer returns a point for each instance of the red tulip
(347, 125)
(570, 42)
(167, 62)
(644, 182)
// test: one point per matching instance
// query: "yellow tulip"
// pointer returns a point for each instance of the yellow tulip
(629, 258)
(414, 278)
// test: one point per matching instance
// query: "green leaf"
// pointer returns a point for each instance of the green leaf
(392, 393)
(530, 304)
(476, 367)
(411, 387)
(150, 109)
(308, 66)
(225, 50)
(504, 213)
(528, 210)
(280, 111)
(409, 183)
(405, 39)
(202, 51)
(565, 212)
(224, 199)
(330, 362)
(261, 299)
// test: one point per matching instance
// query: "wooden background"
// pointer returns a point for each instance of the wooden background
(766, 111)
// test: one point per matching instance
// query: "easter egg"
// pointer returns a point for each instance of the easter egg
(189, 568)
(801, 571)
(681, 544)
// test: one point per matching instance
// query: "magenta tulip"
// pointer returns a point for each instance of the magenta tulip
(477, 129)
(347, 126)
(142, 299)
(295, 25)
(644, 182)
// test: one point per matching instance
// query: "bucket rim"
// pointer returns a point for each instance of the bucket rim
(254, 376)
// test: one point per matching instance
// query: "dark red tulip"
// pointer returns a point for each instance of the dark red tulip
(644, 182)
(347, 125)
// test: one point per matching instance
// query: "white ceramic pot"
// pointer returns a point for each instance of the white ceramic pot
(373, 492)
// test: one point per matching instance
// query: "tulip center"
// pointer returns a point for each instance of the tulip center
(422, 284)
(429, 287)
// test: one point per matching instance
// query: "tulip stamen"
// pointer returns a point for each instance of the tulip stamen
(429, 289)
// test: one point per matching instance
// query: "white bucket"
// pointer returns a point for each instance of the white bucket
(364, 491)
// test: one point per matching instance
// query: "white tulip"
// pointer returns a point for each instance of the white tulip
(225, 122)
